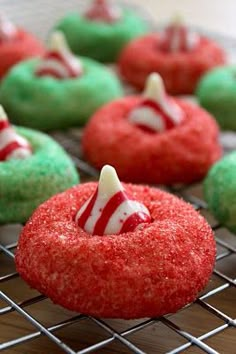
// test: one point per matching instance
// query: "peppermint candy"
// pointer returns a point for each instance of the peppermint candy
(103, 11)
(59, 62)
(7, 29)
(177, 37)
(110, 210)
(157, 112)
(12, 145)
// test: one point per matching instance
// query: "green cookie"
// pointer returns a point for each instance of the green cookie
(47, 103)
(217, 93)
(24, 184)
(99, 40)
(220, 191)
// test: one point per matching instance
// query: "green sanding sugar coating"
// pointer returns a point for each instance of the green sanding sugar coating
(217, 93)
(46, 103)
(220, 191)
(24, 184)
(99, 40)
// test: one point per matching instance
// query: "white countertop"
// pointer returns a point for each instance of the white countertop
(40, 15)
(215, 15)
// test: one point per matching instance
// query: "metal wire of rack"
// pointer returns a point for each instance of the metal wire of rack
(29, 322)
(222, 281)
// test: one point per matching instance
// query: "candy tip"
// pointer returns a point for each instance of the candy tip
(109, 182)
(155, 77)
(177, 19)
(3, 115)
(108, 172)
(154, 88)
(57, 41)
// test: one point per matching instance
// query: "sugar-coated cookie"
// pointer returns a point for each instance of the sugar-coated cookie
(57, 91)
(33, 167)
(117, 250)
(220, 191)
(180, 56)
(153, 138)
(102, 31)
(16, 45)
(217, 93)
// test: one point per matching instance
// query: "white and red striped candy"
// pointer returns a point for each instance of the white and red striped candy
(59, 62)
(7, 29)
(177, 37)
(103, 11)
(12, 145)
(110, 210)
(157, 112)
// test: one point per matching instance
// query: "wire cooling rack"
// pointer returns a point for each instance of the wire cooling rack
(28, 320)
(31, 323)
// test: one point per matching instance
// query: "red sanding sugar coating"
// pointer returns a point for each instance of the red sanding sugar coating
(180, 71)
(180, 155)
(22, 47)
(152, 271)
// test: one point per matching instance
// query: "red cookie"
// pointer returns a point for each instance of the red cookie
(23, 46)
(182, 154)
(152, 271)
(180, 70)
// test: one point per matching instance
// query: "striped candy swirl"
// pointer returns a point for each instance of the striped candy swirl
(177, 37)
(110, 210)
(59, 62)
(12, 145)
(103, 11)
(157, 112)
